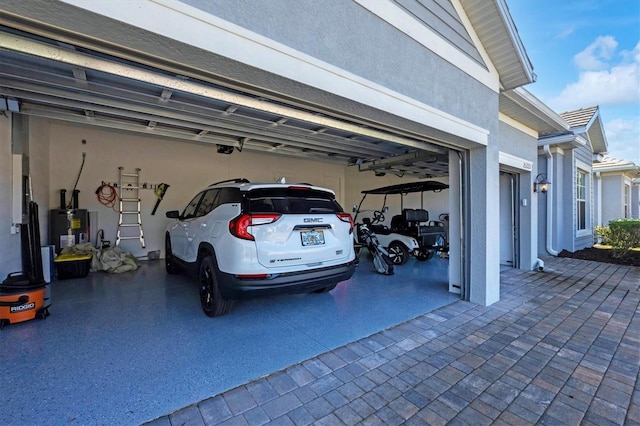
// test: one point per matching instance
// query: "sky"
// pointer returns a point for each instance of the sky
(586, 53)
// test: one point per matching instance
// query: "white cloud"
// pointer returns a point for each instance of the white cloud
(600, 81)
(623, 137)
(608, 78)
(632, 56)
(565, 32)
(596, 55)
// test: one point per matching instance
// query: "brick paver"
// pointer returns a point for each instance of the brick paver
(561, 347)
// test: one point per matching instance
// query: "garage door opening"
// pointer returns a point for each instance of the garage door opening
(442, 207)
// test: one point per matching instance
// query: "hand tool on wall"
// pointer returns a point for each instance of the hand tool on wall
(159, 191)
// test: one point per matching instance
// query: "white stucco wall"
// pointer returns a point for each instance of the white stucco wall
(9, 242)
(186, 167)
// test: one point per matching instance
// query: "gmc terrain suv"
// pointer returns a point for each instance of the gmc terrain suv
(250, 239)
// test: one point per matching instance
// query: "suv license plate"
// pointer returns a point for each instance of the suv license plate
(312, 238)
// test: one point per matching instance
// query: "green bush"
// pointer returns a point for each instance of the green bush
(622, 235)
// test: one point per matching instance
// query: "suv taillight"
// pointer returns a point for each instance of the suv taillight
(239, 226)
(346, 217)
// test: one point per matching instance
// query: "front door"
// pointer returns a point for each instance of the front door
(508, 222)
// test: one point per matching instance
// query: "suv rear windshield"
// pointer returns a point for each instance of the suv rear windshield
(291, 201)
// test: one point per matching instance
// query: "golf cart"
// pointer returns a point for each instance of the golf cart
(410, 232)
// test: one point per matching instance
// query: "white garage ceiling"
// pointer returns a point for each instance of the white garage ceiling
(60, 81)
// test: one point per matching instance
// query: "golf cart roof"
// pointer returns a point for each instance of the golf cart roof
(405, 188)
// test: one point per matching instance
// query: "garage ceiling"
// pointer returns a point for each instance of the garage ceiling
(65, 82)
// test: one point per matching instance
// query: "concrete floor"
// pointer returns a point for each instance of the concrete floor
(561, 347)
(127, 348)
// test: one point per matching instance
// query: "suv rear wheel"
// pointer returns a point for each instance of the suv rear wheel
(213, 304)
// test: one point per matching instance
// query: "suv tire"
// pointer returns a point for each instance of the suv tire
(213, 304)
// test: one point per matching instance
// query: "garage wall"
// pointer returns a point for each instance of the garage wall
(9, 243)
(39, 150)
(186, 167)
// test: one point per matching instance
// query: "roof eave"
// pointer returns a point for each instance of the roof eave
(536, 107)
(528, 76)
(619, 169)
(564, 140)
(506, 33)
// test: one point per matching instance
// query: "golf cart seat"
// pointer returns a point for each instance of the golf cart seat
(398, 224)
(415, 220)
(418, 226)
(428, 233)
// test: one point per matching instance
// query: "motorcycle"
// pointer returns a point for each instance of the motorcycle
(381, 260)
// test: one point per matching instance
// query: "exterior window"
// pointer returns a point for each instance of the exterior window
(581, 200)
(627, 190)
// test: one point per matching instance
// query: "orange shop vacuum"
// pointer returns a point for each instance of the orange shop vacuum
(25, 295)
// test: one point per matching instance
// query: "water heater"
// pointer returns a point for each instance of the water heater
(68, 227)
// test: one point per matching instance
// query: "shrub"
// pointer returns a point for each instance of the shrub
(622, 235)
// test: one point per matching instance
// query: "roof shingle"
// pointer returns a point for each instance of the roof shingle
(580, 117)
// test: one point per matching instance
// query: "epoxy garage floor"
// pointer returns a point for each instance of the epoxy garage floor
(127, 348)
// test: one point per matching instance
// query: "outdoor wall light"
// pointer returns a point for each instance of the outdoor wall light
(541, 183)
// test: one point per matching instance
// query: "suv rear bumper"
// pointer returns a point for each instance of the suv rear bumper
(233, 287)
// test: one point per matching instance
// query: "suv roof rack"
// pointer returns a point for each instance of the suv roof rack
(234, 180)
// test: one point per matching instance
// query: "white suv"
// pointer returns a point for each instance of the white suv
(249, 239)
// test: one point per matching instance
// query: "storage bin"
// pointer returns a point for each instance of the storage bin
(70, 265)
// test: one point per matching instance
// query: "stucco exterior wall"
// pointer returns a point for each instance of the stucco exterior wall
(552, 227)
(365, 45)
(522, 145)
(516, 142)
(205, 45)
(541, 211)
(485, 223)
(564, 234)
